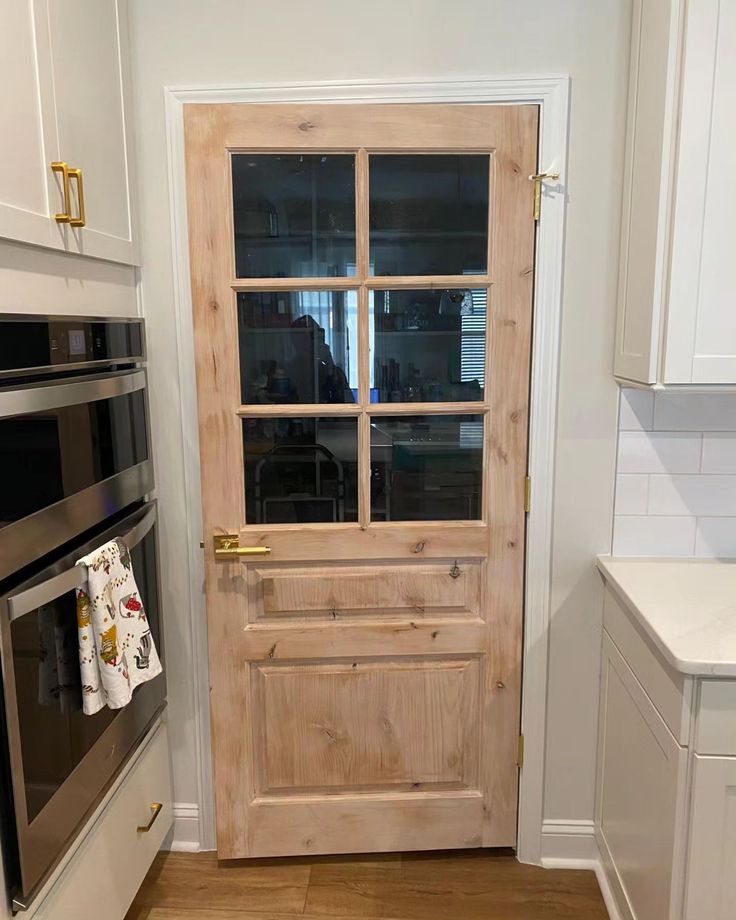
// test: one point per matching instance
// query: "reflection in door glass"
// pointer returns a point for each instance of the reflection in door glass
(429, 214)
(426, 467)
(293, 214)
(429, 345)
(300, 470)
(298, 347)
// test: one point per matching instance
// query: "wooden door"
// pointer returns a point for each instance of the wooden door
(362, 291)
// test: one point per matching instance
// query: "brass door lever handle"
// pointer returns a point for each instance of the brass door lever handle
(227, 545)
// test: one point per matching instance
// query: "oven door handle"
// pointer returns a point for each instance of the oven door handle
(45, 396)
(74, 577)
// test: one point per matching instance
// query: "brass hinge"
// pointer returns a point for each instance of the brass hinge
(527, 494)
(538, 179)
(520, 759)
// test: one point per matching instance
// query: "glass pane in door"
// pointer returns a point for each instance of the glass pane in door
(298, 347)
(293, 214)
(426, 467)
(300, 470)
(429, 214)
(429, 346)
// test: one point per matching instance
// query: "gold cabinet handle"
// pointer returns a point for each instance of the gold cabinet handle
(155, 812)
(227, 545)
(81, 219)
(64, 217)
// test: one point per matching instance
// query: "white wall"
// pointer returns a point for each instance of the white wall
(236, 42)
(676, 475)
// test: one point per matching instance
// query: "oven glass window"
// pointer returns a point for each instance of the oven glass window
(48, 456)
(55, 735)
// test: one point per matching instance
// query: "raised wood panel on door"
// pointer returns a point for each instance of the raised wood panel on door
(421, 590)
(338, 707)
(367, 725)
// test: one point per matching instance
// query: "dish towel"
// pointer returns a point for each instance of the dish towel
(116, 649)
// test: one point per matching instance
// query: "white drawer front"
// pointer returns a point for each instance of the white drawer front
(716, 733)
(103, 876)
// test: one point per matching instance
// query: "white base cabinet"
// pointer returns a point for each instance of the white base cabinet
(666, 792)
(643, 770)
(711, 889)
(105, 872)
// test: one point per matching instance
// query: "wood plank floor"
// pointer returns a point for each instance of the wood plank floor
(459, 885)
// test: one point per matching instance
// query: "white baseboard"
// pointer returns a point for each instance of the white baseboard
(568, 840)
(184, 836)
(573, 845)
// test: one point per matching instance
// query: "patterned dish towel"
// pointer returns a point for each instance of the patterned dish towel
(116, 650)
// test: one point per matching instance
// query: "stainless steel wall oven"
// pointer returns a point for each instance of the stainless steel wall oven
(75, 471)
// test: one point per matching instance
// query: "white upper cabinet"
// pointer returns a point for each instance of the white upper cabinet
(677, 294)
(63, 69)
(87, 63)
(26, 113)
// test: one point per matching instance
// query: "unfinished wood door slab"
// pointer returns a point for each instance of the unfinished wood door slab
(365, 673)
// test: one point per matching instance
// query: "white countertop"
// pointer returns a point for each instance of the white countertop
(687, 608)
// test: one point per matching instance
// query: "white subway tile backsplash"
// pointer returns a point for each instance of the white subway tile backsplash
(637, 410)
(695, 412)
(715, 536)
(676, 476)
(719, 453)
(632, 491)
(659, 452)
(646, 535)
(693, 495)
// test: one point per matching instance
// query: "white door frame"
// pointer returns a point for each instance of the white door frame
(551, 92)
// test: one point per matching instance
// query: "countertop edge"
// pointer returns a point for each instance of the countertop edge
(689, 668)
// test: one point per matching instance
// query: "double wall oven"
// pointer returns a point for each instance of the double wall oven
(75, 471)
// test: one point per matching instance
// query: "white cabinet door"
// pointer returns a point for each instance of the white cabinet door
(641, 772)
(87, 38)
(711, 876)
(646, 205)
(27, 201)
(701, 333)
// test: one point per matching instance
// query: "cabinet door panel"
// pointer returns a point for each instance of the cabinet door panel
(701, 338)
(711, 880)
(25, 99)
(86, 37)
(642, 769)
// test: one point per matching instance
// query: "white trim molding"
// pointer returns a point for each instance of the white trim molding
(575, 845)
(185, 835)
(563, 841)
(551, 93)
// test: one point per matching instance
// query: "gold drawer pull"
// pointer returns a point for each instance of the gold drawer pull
(63, 217)
(228, 545)
(155, 812)
(81, 219)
